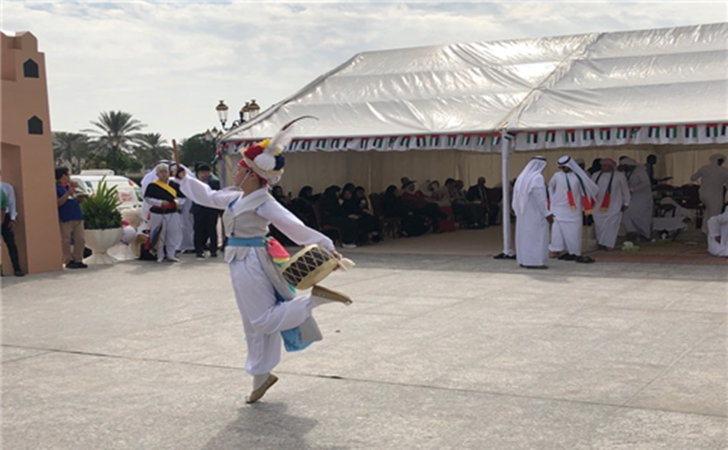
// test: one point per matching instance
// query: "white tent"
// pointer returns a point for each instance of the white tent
(662, 86)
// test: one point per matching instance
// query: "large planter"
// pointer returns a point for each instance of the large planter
(100, 241)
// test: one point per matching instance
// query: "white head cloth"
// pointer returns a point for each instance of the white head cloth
(591, 187)
(628, 162)
(529, 178)
(151, 177)
(714, 158)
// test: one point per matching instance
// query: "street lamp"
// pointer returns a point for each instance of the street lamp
(248, 112)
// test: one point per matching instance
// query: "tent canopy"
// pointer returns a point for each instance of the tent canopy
(671, 76)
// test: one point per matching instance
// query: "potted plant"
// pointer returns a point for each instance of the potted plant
(102, 223)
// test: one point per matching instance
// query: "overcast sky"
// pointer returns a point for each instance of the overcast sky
(169, 62)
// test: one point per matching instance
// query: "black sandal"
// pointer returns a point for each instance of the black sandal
(585, 259)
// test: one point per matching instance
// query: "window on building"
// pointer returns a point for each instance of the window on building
(30, 69)
(35, 125)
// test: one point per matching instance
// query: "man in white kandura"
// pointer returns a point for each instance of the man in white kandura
(572, 194)
(530, 203)
(718, 235)
(267, 304)
(713, 178)
(612, 200)
(638, 218)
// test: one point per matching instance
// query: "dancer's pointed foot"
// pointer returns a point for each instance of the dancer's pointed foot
(323, 295)
(258, 393)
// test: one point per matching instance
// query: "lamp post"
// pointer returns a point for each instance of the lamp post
(248, 112)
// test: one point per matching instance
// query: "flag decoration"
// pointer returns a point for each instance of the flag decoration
(691, 131)
(671, 131)
(588, 134)
(653, 132)
(392, 141)
(405, 141)
(434, 141)
(605, 134)
(465, 140)
(364, 143)
(550, 136)
(378, 142)
(347, 142)
(481, 140)
(452, 140)
(621, 133)
(711, 130)
(495, 139)
(321, 143)
(336, 144)
(532, 137)
(633, 132)
(724, 129)
(569, 136)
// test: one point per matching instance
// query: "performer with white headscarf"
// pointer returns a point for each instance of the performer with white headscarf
(269, 307)
(164, 225)
(638, 218)
(612, 200)
(572, 194)
(713, 178)
(530, 203)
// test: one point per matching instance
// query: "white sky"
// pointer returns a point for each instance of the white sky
(169, 62)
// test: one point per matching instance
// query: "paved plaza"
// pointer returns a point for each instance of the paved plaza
(437, 352)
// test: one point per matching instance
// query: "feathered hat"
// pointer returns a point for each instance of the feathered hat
(266, 158)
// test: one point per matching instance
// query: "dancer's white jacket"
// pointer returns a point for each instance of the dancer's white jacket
(254, 276)
(718, 228)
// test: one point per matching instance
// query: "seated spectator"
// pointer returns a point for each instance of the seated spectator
(473, 214)
(479, 194)
(302, 207)
(334, 214)
(394, 206)
(416, 202)
(283, 199)
(366, 222)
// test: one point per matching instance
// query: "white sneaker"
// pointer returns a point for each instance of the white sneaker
(348, 245)
(173, 260)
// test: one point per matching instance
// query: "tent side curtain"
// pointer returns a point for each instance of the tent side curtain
(377, 170)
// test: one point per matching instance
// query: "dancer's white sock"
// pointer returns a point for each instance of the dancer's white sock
(258, 380)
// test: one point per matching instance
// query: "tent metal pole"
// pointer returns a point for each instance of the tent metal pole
(506, 208)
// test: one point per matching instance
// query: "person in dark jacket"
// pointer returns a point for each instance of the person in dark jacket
(394, 206)
(205, 217)
(479, 194)
(365, 221)
(334, 214)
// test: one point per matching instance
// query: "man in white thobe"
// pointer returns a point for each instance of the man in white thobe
(571, 194)
(638, 218)
(532, 216)
(718, 235)
(612, 200)
(713, 178)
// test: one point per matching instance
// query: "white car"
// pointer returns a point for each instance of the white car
(129, 193)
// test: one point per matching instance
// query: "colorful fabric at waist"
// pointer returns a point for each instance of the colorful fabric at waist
(247, 242)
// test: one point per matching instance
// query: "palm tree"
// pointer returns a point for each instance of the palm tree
(116, 132)
(72, 148)
(151, 148)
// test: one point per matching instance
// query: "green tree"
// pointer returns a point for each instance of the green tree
(196, 149)
(116, 135)
(73, 148)
(151, 148)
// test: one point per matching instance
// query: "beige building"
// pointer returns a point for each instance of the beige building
(27, 154)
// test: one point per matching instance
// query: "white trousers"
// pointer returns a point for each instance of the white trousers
(263, 319)
(170, 235)
(566, 235)
(713, 206)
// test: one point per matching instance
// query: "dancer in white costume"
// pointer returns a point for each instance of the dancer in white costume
(612, 200)
(530, 204)
(572, 194)
(267, 304)
(164, 216)
(713, 179)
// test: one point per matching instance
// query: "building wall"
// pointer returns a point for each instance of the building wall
(27, 159)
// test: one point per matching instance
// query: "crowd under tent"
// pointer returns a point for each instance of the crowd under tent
(484, 109)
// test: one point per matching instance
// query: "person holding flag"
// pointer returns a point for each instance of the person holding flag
(612, 200)
(571, 194)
